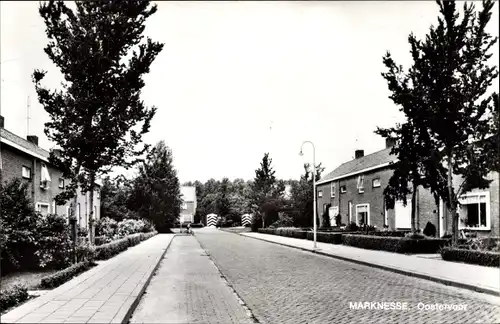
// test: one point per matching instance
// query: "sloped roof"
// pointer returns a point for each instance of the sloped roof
(370, 161)
(188, 193)
(29, 147)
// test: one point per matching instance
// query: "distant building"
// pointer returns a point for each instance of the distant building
(188, 206)
(23, 158)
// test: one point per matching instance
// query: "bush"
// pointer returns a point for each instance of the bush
(12, 297)
(60, 277)
(54, 242)
(394, 244)
(18, 224)
(100, 240)
(85, 252)
(388, 233)
(106, 227)
(332, 238)
(484, 258)
(108, 250)
(430, 229)
(352, 227)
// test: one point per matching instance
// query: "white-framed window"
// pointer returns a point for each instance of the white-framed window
(343, 189)
(54, 210)
(332, 190)
(361, 184)
(474, 211)
(376, 183)
(67, 211)
(332, 212)
(363, 214)
(26, 172)
(320, 193)
(95, 213)
(61, 183)
(98, 193)
(42, 208)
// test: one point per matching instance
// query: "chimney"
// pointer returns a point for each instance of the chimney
(1, 122)
(32, 139)
(359, 154)
(390, 142)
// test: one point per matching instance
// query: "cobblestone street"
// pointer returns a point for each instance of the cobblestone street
(285, 285)
(188, 288)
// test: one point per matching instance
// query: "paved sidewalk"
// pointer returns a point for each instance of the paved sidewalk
(104, 294)
(188, 288)
(468, 276)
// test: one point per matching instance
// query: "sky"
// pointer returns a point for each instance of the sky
(238, 79)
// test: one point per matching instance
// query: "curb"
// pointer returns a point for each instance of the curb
(388, 268)
(134, 305)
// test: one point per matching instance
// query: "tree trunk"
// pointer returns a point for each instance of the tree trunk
(91, 214)
(453, 206)
(413, 207)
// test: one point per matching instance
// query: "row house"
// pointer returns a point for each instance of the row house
(23, 158)
(355, 190)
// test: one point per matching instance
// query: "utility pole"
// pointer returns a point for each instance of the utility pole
(28, 117)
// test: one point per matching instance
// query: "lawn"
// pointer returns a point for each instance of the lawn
(29, 279)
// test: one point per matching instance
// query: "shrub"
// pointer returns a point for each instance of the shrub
(388, 233)
(484, 258)
(18, 223)
(12, 297)
(82, 231)
(85, 252)
(100, 240)
(108, 250)
(332, 238)
(394, 244)
(60, 277)
(352, 227)
(430, 229)
(106, 227)
(54, 242)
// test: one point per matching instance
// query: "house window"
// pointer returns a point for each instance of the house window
(474, 211)
(42, 208)
(363, 214)
(361, 184)
(26, 172)
(343, 189)
(376, 183)
(98, 193)
(332, 190)
(45, 177)
(320, 193)
(61, 183)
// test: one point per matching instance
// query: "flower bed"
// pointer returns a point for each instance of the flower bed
(484, 258)
(12, 297)
(60, 277)
(395, 244)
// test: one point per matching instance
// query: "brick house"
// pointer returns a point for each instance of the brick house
(23, 158)
(355, 192)
(188, 207)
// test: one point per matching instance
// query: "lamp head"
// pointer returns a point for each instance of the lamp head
(300, 153)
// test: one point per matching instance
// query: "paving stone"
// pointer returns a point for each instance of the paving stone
(286, 285)
(98, 293)
(188, 289)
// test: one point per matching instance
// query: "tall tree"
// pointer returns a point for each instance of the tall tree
(265, 187)
(156, 193)
(451, 78)
(115, 198)
(223, 203)
(303, 195)
(96, 116)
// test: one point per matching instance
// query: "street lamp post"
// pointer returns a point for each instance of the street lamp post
(314, 187)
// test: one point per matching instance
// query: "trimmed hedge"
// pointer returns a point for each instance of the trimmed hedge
(60, 277)
(12, 297)
(332, 238)
(108, 250)
(484, 258)
(100, 240)
(394, 244)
